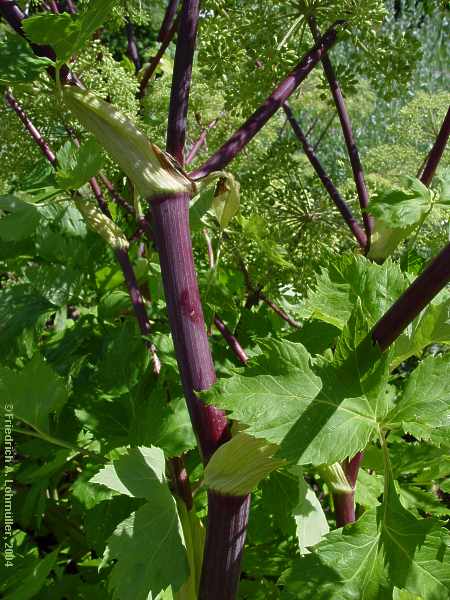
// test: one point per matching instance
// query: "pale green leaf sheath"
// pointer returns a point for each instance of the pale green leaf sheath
(152, 171)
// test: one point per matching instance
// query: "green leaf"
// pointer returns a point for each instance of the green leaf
(161, 423)
(314, 419)
(65, 33)
(60, 31)
(369, 488)
(226, 200)
(78, 165)
(138, 473)
(432, 326)
(352, 277)
(34, 582)
(397, 213)
(101, 520)
(345, 565)
(272, 404)
(149, 543)
(423, 409)
(280, 495)
(35, 392)
(385, 547)
(115, 373)
(22, 221)
(311, 522)
(19, 63)
(150, 551)
(403, 208)
(237, 466)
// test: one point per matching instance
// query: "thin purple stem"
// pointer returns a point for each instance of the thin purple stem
(279, 311)
(200, 142)
(352, 149)
(35, 134)
(324, 132)
(437, 151)
(231, 340)
(168, 20)
(118, 198)
(132, 49)
(220, 159)
(333, 192)
(148, 73)
(181, 480)
(429, 283)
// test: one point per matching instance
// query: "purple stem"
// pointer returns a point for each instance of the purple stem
(181, 480)
(231, 339)
(181, 81)
(148, 73)
(344, 508)
(333, 192)
(323, 133)
(429, 283)
(436, 152)
(279, 311)
(347, 130)
(220, 159)
(229, 515)
(70, 6)
(35, 134)
(199, 143)
(173, 240)
(344, 504)
(168, 20)
(132, 49)
(118, 199)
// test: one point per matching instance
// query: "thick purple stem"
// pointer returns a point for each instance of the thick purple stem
(35, 134)
(132, 50)
(148, 73)
(227, 520)
(168, 20)
(429, 283)
(173, 240)
(333, 192)
(436, 151)
(347, 130)
(220, 159)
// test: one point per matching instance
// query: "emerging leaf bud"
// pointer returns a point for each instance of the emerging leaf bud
(102, 225)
